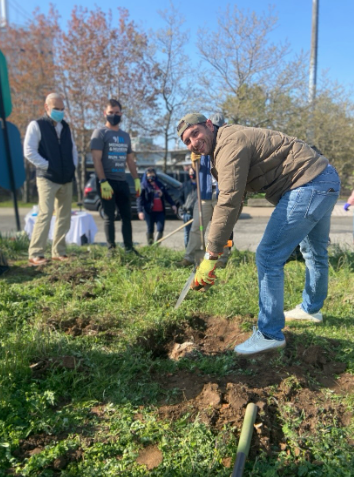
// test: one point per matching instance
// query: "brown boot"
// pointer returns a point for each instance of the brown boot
(184, 263)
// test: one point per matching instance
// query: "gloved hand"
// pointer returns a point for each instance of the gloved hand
(195, 157)
(137, 186)
(106, 190)
(205, 274)
(346, 206)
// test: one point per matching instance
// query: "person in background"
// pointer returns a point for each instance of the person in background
(151, 205)
(189, 197)
(49, 146)
(111, 152)
(304, 188)
(350, 201)
(209, 195)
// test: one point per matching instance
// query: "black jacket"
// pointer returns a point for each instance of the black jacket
(57, 151)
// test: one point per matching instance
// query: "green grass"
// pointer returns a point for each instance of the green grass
(27, 205)
(10, 203)
(110, 318)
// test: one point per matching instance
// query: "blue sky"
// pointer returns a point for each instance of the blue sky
(336, 33)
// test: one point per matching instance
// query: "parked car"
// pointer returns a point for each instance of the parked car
(92, 199)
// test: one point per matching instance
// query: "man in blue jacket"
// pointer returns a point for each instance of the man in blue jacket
(50, 147)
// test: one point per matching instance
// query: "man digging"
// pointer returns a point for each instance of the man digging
(304, 188)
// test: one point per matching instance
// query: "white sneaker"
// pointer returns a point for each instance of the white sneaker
(258, 343)
(299, 314)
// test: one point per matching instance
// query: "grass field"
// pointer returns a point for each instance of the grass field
(100, 376)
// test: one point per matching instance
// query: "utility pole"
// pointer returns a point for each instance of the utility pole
(3, 14)
(313, 68)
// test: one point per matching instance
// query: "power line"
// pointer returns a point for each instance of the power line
(19, 9)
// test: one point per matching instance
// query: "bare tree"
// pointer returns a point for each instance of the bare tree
(130, 74)
(246, 75)
(334, 127)
(98, 60)
(30, 60)
(176, 89)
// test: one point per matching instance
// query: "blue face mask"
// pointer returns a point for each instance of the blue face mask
(57, 116)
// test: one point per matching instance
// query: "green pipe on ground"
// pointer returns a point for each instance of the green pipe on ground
(245, 439)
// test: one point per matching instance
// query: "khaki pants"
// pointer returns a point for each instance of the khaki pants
(194, 242)
(51, 195)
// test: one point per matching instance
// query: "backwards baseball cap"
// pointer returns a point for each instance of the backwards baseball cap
(190, 120)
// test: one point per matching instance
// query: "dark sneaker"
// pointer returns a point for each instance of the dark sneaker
(133, 250)
(111, 253)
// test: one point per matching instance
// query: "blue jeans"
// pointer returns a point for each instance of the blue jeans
(302, 216)
(186, 217)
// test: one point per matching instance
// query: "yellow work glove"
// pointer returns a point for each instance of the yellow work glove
(205, 274)
(137, 186)
(195, 157)
(106, 190)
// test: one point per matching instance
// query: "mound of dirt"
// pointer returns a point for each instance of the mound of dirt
(284, 385)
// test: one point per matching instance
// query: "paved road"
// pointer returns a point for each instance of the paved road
(247, 233)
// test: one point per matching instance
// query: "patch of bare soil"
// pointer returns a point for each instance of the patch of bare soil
(286, 385)
(75, 276)
(83, 325)
(36, 444)
(150, 456)
(61, 362)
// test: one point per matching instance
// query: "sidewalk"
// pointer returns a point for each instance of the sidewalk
(251, 212)
(248, 230)
(338, 211)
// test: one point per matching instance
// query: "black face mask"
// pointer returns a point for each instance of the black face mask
(151, 178)
(113, 119)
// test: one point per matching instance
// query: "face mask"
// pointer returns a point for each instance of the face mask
(56, 115)
(192, 177)
(151, 178)
(113, 119)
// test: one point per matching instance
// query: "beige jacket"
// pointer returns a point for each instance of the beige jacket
(256, 160)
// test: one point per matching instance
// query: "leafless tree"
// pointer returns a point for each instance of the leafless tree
(176, 88)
